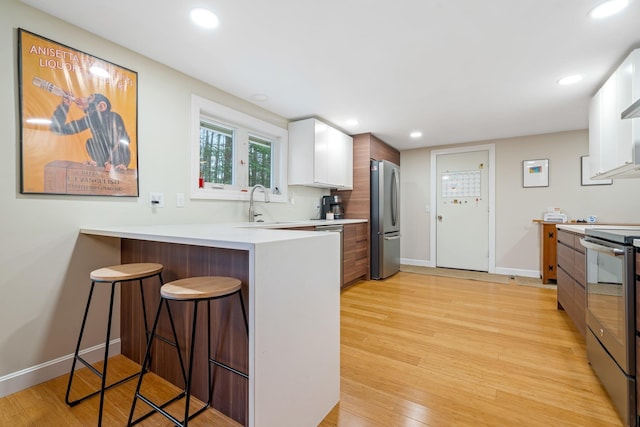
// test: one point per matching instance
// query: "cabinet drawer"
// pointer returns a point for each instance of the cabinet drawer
(565, 291)
(565, 237)
(638, 310)
(637, 370)
(580, 267)
(576, 243)
(566, 258)
(362, 232)
(579, 303)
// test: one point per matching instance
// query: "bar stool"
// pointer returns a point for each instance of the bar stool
(113, 274)
(195, 290)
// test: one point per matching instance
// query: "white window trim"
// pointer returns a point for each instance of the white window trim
(201, 107)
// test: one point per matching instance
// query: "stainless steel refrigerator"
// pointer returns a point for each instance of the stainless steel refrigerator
(385, 219)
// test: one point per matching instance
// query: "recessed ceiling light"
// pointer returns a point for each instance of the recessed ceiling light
(259, 97)
(416, 134)
(569, 80)
(352, 122)
(204, 18)
(608, 8)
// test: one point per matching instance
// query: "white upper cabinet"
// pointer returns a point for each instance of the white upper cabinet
(614, 143)
(320, 155)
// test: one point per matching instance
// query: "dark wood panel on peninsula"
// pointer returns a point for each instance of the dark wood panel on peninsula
(228, 331)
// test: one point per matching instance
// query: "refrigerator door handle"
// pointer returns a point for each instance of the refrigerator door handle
(392, 238)
(394, 197)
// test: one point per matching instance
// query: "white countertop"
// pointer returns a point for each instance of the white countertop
(301, 223)
(581, 228)
(230, 236)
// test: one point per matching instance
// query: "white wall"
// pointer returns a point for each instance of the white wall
(44, 263)
(517, 237)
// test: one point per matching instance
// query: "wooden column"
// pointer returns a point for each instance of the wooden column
(548, 251)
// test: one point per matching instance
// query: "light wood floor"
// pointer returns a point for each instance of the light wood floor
(416, 350)
(422, 350)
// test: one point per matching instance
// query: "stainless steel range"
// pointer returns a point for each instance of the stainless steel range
(610, 314)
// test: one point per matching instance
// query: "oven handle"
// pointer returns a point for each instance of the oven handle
(603, 249)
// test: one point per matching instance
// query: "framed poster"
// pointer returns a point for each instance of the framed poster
(79, 121)
(585, 174)
(535, 173)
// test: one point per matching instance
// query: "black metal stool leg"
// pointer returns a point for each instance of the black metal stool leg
(190, 369)
(147, 354)
(75, 355)
(106, 354)
(244, 312)
(146, 362)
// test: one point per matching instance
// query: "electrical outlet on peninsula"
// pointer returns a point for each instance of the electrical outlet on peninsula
(156, 200)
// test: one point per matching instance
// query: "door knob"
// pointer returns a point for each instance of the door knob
(439, 217)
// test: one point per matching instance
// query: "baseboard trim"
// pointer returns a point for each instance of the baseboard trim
(34, 375)
(518, 272)
(416, 262)
(498, 270)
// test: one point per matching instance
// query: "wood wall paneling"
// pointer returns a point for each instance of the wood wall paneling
(228, 334)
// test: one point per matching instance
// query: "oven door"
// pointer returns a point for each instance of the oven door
(610, 309)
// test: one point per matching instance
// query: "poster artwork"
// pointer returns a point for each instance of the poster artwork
(79, 118)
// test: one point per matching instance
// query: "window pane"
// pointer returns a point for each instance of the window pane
(216, 153)
(260, 155)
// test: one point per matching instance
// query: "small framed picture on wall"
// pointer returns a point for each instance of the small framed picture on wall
(535, 173)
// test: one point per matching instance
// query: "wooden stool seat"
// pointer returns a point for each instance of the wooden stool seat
(205, 287)
(124, 272)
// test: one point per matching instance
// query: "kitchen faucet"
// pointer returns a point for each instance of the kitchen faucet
(252, 214)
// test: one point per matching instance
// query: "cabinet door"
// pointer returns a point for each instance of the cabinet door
(321, 154)
(608, 123)
(595, 136)
(624, 150)
(341, 159)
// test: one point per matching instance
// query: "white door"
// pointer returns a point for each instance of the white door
(462, 210)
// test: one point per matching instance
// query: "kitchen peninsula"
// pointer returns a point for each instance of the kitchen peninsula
(291, 286)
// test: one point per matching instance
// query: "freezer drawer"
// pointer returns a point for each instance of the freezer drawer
(389, 255)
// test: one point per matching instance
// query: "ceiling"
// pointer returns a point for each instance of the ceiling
(456, 70)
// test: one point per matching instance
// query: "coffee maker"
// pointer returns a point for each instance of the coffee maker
(331, 204)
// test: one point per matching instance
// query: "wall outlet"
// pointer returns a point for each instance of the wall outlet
(316, 204)
(156, 200)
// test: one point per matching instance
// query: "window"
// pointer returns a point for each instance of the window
(259, 161)
(232, 152)
(216, 153)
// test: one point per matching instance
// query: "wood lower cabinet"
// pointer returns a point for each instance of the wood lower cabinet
(355, 252)
(571, 279)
